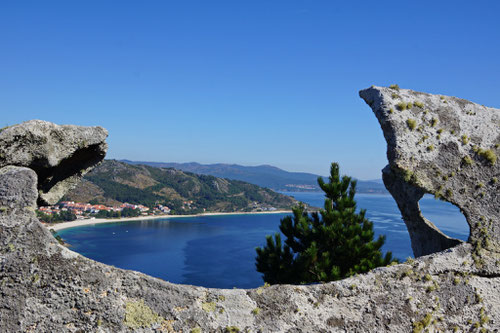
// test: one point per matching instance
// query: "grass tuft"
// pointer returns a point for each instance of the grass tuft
(411, 123)
(401, 106)
(467, 160)
(489, 155)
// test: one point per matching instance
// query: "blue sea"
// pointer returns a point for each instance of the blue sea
(219, 251)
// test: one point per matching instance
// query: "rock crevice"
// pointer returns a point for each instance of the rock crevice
(425, 237)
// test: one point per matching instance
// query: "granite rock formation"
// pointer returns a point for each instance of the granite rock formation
(445, 146)
(60, 155)
(44, 287)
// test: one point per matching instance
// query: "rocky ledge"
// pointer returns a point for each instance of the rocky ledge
(45, 287)
(60, 155)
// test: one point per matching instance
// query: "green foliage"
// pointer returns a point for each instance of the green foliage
(130, 212)
(123, 193)
(62, 216)
(104, 214)
(434, 121)
(489, 155)
(419, 326)
(256, 311)
(401, 106)
(430, 148)
(394, 86)
(411, 123)
(419, 104)
(467, 160)
(333, 244)
(126, 212)
(57, 237)
(465, 139)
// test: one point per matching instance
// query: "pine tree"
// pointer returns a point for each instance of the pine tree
(330, 245)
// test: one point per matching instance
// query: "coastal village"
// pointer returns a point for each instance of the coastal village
(82, 211)
(89, 211)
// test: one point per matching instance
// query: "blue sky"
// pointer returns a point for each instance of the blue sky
(247, 82)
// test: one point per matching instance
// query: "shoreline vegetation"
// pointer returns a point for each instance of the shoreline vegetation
(78, 223)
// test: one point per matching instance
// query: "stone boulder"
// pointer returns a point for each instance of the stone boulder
(60, 155)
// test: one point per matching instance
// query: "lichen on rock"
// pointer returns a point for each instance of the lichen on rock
(139, 315)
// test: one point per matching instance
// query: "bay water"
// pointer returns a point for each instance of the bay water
(219, 251)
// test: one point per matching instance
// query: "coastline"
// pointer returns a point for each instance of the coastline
(79, 223)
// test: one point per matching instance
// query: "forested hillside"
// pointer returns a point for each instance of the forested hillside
(115, 182)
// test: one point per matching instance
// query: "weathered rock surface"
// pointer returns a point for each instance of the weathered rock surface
(60, 155)
(445, 146)
(45, 287)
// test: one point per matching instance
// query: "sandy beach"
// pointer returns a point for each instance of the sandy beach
(78, 223)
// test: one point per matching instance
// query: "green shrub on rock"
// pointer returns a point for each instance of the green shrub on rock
(411, 123)
(489, 155)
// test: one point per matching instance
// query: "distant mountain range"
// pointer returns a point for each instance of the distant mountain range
(263, 175)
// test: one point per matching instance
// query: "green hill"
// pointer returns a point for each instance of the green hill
(115, 182)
